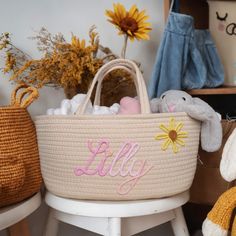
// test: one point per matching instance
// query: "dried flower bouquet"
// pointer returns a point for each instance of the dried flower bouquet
(72, 65)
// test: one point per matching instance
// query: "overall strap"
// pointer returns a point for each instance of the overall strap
(176, 6)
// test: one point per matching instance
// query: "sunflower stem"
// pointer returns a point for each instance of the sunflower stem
(124, 46)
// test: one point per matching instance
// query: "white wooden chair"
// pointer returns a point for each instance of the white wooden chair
(12, 217)
(116, 218)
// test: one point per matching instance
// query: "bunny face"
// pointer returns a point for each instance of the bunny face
(174, 101)
(222, 18)
(222, 25)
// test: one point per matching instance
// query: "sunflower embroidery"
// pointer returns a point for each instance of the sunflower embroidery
(172, 135)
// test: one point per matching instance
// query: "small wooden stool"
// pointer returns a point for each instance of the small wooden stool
(116, 218)
(11, 215)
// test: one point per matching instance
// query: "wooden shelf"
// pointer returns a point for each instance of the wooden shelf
(196, 8)
(213, 91)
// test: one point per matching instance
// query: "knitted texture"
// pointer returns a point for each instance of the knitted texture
(222, 210)
(20, 175)
(233, 233)
(220, 214)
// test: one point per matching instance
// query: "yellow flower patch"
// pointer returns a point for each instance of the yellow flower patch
(172, 136)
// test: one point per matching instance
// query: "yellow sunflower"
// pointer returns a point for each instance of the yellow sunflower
(172, 135)
(131, 23)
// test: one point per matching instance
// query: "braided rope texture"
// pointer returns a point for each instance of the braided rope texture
(20, 175)
(63, 146)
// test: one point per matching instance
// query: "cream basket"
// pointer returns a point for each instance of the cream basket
(118, 157)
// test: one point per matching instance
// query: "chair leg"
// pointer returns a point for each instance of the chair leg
(114, 226)
(178, 223)
(20, 228)
(52, 224)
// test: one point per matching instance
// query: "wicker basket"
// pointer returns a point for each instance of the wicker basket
(118, 157)
(20, 175)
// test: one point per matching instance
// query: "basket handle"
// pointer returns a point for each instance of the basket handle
(99, 85)
(129, 66)
(17, 99)
(97, 98)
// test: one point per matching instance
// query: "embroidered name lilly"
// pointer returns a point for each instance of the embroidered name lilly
(123, 164)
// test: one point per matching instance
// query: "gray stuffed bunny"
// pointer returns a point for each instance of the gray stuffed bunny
(177, 101)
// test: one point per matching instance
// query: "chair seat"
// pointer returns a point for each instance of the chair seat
(115, 208)
(116, 218)
(12, 214)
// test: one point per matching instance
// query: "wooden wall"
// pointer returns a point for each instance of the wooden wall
(196, 8)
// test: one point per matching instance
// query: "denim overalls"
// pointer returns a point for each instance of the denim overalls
(186, 59)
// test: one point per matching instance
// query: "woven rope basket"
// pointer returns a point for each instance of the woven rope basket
(122, 157)
(20, 175)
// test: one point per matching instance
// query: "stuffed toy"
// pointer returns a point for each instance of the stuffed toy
(218, 219)
(129, 106)
(180, 101)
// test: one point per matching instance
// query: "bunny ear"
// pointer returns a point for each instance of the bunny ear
(205, 112)
(228, 161)
(209, 111)
(155, 105)
(211, 131)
